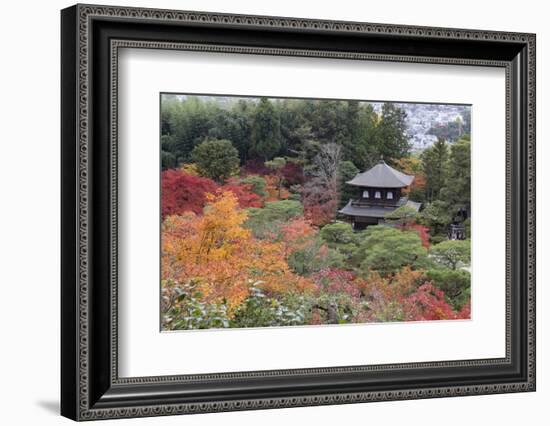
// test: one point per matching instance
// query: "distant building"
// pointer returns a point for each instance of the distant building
(379, 192)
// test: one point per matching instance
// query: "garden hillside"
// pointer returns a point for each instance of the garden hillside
(251, 236)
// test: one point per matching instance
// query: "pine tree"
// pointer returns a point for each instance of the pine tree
(457, 191)
(392, 140)
(435, 164)
(266, 131)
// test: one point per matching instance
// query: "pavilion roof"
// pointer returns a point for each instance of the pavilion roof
(376, 211)
(382, 176)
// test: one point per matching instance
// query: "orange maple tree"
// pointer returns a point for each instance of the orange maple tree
(221, 257)
(412, 166)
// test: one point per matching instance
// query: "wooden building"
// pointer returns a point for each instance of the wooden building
(379, 192)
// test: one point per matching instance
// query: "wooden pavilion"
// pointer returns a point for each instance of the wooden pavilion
(379, 192)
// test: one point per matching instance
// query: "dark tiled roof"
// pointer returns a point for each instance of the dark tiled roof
(376, 211)
(382, 176)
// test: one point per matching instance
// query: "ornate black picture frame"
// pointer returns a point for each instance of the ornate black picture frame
(91, 37)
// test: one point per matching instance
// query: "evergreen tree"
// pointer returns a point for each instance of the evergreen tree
(386, 250)
(435, 164)
(457, 191)
(328, 121)
(216, 159)
(266, 131)
(392, 140)
(359, 143)
(295, 126)
(346, 171)
(234, 125)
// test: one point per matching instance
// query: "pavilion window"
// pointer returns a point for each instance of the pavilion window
(377, 195)
(389, 195)
(365, 194)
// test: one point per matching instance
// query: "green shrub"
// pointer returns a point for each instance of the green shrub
(341, 237)
(267, 220)
(216, 159)
(452, 253)
(438, 238)
(183, 309)
(261, 311)
(454, 283)
(314, 257)
(258, 184)
(386, 250)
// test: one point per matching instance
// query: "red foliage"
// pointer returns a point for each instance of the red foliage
(296, 234)
(255, 167)
(421, 230)
(320, 196)
(465, 311)
(428, 303)
(183, 192)
(320, 210)
(274, 191)
(407, 296)
(293, 174)
(338, 281)
(243, 192)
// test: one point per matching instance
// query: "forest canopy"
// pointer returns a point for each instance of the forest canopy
(252, 233)
(262, 129)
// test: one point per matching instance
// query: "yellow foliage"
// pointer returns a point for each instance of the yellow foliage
(221, 256)
(274, 190)
(412, 166)
(190, 169)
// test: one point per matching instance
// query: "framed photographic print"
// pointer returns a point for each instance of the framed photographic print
(263, 212)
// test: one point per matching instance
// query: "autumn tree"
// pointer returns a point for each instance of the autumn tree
(190, 169)
(320, 194)
(257, 184)
(293, 173)
(243, 191)
(408, 296)
(182, 192)
(276, 166)
(216, 159)
(220, 257)
(295, 233)
(338, 298)
(422, 231)
(413, 166)
(387, 294)
(428, 303)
